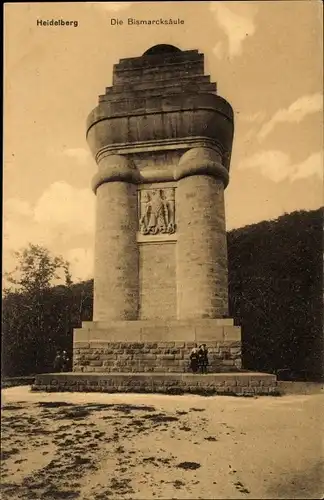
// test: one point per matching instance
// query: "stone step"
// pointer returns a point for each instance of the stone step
(154, 60)
(236, 384)
(159, 82)
(205, 88)
(153, 73)
(139, 331)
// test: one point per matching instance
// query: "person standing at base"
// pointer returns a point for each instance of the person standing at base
(58, 362)
(194, 359)
(65, 362)
(203, 358)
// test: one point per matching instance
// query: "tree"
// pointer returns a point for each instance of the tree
(37, 270)
(35, 321)
(275, 293)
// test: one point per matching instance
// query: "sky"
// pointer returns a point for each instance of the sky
(265, 56)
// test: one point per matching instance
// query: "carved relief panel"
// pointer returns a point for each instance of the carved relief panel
(157, 211)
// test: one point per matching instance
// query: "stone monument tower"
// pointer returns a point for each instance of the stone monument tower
(162, 140)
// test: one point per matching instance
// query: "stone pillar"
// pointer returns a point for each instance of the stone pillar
(201, 247)
(116, 293)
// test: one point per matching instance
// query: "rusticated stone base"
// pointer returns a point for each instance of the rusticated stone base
(239, 384)
(153, 346)
(152, 357)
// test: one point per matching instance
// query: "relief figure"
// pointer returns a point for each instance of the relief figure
(157, 211)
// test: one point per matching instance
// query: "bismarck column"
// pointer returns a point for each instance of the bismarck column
(162, 140)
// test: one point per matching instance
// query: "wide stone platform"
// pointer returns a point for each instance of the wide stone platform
(195, 330)
(240, 384)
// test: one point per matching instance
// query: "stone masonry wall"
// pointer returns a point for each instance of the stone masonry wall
(152, 356)
(158, 294)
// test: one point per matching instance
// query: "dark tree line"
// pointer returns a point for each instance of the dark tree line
(275, 294)
(38, 316)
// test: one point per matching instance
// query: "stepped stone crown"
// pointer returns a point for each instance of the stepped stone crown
(163, 95)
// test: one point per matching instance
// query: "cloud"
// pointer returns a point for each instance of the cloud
(253, 118)
(277, 166)
(237, 22)
(272, 164)
(111, 6)
(219, 50)
(81, 263)
(19, 229)
(295, 113)
(313, 165)
(14, 207)
(61, 214)
(82, 155)
(62, 204)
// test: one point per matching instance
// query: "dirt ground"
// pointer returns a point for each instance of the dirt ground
(137, 446)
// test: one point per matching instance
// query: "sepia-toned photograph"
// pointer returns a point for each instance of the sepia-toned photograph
(162, 284)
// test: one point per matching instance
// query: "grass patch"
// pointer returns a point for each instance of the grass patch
(11, 408)
(77, 413)
(185, 428)
(5, 454)
(189, 465)
(53, 404)
(178, 484)
(53, 492)
(241, 488)
(160, 417)
(123, 485)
